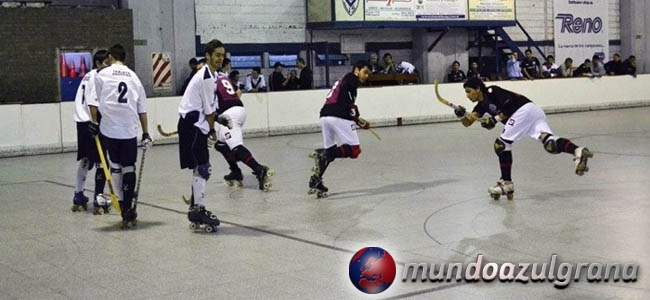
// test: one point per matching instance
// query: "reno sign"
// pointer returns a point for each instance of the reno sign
(581, 29)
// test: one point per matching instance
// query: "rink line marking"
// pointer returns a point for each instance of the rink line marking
(300, 240)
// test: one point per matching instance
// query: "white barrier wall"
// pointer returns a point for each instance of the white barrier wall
(48, 128)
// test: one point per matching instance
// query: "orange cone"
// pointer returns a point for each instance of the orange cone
(73, 72)
(82, 67)
(64, 66)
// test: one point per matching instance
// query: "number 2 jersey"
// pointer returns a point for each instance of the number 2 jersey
(121, 101)
(85, 94)
(340, 100)
(497, 100)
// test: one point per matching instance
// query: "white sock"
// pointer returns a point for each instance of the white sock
(198, 189)
(81, 179)
(116, 178)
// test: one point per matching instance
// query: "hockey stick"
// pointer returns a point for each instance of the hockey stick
(137, 185)
(166, 134)
(107, 174)
(469, 115)
(374, 133)
(187, 201)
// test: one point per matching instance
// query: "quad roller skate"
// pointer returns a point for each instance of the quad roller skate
(317, 187)
(581, 155)
(234, 179)
(319, 160)
(263, 178)
(102, 204)
(129, 218)
(502, 188)
(79, 202)
(198, 216)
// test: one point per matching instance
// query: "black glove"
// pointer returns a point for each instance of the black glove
(460, 111)
(146, 141)
(489, 123)
(362, 123)
(93, 128)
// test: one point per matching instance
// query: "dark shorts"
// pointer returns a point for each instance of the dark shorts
(86, 147)
(123, 152)
(192, 143)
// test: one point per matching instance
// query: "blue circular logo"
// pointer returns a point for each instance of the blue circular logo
(372, 270)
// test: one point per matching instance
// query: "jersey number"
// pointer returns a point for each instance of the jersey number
(228, 86)
(122, 88)
(83, 93)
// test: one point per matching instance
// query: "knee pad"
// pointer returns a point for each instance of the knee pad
(550, 144)
(222, 148)
(355, 151)
(501, 146)
(204, 170)
(85, 164)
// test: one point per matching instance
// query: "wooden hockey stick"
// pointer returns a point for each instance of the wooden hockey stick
(374, 133)
(166, 134)
(107, 174)
(137, 186)
(469, 115)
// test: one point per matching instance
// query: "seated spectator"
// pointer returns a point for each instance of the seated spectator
(629, 66)
(474, 71)
(456, 74)
(254, 82)
(513, 67)
(405, 67)
(597, 68)
(306, 80)
(234, 78)
(389, 66)
(615, 66)
(292, 81)
(567, 69)
(549, 68)
(277, 81)
(195, 65)
(374, 63)
(584, 70)
(530, 66)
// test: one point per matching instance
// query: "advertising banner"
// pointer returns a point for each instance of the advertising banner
(492, 10)
(581, 29)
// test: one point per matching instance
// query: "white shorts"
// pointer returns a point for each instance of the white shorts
(233, 137)
(528, 120)
(338, 130)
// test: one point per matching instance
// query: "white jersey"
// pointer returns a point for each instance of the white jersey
(200, 96)
(121, 101)
(85, 95)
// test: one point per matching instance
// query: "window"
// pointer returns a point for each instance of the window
(245, 61)
(334, 60)
(286, 60)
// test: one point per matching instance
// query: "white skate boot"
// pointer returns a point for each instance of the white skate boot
(581, 155)
(502, 188)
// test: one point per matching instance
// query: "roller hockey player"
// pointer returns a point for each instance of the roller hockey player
(87, 154)
(521, 117)
(338, 118)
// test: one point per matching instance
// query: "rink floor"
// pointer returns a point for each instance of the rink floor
(420, 193)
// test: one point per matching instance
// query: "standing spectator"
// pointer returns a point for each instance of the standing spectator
(456, 74)
(195, 65)
(513, 67)
(292, 81)
(629, 66)
(87, 154)
(122, 104)
(549, 68)
(530, 67)
(254, 82)
(597, 68)
(389, 66)
(306, 79)
(277, 81)
(615, 66)
(566, 69)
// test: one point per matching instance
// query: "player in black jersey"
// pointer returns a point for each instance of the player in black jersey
(338, 118)
(521, 117)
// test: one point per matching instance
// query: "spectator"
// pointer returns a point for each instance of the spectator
(389, 66)
(513, 67)
(456, 74)
(615, 66)
(405, 67)
(226, 66)
(549, 68)
(306, 80)
(195, 65)
(374, 63)
(597, 68)
(567, 69)
(293, 82)
(584, 70)
(629, 66)
(277, 81)
(255, 83)
(474, 71)
(530, 66)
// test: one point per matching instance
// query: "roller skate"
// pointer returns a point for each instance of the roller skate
(129, 218)
(198, 216)
(502, 188)
(317, 187)
(319, 160)
(263, 175)
(234, 179)
(101, 204)
(581, 155)
(79, 202)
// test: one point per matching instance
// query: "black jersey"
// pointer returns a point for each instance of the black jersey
(340, 100)
(497, 100)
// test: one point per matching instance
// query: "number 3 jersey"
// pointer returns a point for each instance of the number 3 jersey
(121, 100)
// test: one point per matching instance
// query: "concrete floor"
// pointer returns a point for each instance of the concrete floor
(419, 193)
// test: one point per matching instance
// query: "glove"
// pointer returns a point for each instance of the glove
(212, 138)
(460, 111)
(489, 123)
(146, 142)
(224, 120)
(363, 123)
(93, 128)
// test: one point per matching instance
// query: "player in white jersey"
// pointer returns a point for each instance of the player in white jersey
(87, 154)
(196, 130)
(122, 106)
